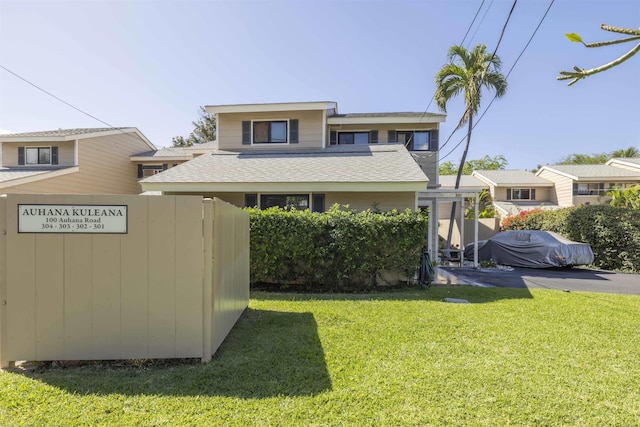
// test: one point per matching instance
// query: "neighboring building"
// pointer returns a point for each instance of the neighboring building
(515, 190)
(307, 155)
(588, 184)
(71, 161)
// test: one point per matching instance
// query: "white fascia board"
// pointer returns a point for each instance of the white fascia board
(78, 137)
(613, 162)
(483, 178)
(552, 170)
(39, 177)
(278, 187)
(385, 120)
(285, 106)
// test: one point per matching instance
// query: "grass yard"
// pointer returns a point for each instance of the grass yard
(511, 357)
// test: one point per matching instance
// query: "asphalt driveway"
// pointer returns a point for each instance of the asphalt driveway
(571, 279)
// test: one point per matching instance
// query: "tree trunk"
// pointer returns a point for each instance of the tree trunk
(453, 205)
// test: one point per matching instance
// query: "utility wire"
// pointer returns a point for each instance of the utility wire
(433, 97)
(508, 74)
(504, 27)
(55, 97)
(480, 24)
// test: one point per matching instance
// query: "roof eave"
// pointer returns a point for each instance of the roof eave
(386, 120)
(284, 106)
(271, 187)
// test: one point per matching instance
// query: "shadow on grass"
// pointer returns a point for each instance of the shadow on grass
(473, 294)
(267, 354)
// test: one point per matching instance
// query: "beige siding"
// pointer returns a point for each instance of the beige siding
(562, 193)
(65, 152)
(104, 165)
(364, 201)
(149, 293)
(310, 127)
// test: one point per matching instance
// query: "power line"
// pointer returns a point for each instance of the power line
(55, 97)
(480, 24)
(508, 74)
(513, 66)
(474, 20)
(463, 39)
(504, 27)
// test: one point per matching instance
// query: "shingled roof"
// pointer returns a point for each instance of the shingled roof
(384, 164)
(59, 132)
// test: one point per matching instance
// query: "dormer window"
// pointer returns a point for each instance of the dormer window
(270, 132)
(37, 156)
(274, 132)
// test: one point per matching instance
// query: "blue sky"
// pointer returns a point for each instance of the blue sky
(151, 64)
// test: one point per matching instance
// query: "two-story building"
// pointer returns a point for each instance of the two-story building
(71, 161)
(307, 155)
(575, 185)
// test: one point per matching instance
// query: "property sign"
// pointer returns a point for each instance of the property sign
(109, 219)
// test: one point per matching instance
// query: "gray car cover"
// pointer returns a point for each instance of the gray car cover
(533, 249)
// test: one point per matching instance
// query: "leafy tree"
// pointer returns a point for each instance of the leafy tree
(485, 163)
(485, 202)
(467, 72)
(579, 73)
(204, 131)
(585, 159)
(598, 158)
(625, 198)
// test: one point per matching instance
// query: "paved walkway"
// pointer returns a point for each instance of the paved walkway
(573, 279)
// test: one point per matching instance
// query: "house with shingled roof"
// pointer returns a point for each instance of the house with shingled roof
(71, 161)
(307, 155)
(575, 185)
(515, 190)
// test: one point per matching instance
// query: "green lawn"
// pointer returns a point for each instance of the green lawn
(511, 357)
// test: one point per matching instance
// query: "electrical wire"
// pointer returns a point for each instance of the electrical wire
(55, 97)
(433, 97)
(507, 76)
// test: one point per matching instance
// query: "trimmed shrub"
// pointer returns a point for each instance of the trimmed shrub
(612, 232)
(338, 250)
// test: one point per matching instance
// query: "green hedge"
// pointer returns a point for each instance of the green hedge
(338, 250)
(612, 232)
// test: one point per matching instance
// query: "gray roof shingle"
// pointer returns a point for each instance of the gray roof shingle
(59, 132)
(594, 171)
(379, 163)
(512, 177)
(10, 174)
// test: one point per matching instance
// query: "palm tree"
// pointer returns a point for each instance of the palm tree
(468, 71)
(626, 152)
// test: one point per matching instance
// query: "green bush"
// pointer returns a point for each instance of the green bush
(612, 232)
(338, 250)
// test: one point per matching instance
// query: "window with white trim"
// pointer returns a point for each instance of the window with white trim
(38, 155)
(270, 132)
(521, 193)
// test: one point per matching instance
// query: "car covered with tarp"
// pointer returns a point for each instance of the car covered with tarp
(532, 249)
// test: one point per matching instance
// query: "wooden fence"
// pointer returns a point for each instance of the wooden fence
(119, 277)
